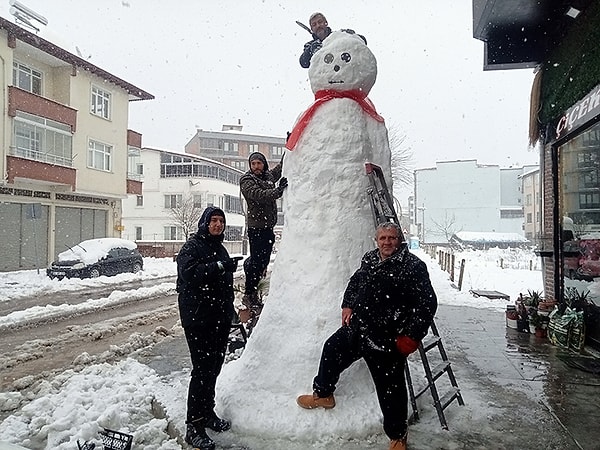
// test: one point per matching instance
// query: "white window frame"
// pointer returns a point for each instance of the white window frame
(101, 102)
(25, 77)
(99, 155)
(139, 233)
(172, 233)
(276, 150)
(42, 139)
(172, 201)
(139, 200)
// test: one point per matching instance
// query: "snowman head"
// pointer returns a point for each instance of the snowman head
(343, 63)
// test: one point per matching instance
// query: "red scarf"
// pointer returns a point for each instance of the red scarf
(321, 97)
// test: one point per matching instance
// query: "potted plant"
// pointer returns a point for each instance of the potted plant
(539, 322)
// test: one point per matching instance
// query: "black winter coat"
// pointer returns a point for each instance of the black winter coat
(261, 195)
(205, 291)
(390, 298)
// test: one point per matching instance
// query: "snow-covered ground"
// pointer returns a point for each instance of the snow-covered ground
(78, 403)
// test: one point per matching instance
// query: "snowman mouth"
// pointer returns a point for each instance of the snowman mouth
(336, 82)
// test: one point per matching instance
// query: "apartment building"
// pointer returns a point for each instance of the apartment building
(532, 205)
(176, 189)
(232, 147)
(463, 195)
(65, 149)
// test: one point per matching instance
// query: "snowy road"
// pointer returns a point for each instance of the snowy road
(105, 334)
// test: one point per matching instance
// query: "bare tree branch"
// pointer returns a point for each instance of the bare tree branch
(446, 227)
(402, 157)
(186, 215)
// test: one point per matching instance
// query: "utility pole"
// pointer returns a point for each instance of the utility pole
(422, 209)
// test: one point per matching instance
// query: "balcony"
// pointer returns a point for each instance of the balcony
(20, 100)
(21, 168)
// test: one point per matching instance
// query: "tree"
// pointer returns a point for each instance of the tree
(186, 215)
(402, 157)
(446, 227)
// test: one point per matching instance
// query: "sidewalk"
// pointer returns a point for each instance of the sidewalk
(518, 390)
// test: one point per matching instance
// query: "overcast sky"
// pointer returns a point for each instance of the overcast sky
(215, 62)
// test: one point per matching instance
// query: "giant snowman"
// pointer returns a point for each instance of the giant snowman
(328, 227)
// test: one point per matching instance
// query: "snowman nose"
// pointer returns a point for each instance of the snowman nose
(336, 68)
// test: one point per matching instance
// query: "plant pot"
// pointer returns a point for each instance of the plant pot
(541, 332)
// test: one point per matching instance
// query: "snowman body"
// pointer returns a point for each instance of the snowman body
(326, 196)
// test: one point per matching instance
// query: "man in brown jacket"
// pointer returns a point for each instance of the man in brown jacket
(259, 189)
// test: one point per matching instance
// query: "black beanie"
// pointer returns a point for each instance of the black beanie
(261, 157)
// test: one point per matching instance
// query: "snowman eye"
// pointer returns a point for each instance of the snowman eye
(328, 58)
(346, 57)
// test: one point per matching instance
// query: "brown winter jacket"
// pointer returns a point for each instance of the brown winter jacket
(261, 194)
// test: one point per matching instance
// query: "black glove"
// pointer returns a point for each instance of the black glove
(315, 46)
(283, 183)
(230, 264)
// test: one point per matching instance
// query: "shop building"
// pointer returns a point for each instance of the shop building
(559, 41)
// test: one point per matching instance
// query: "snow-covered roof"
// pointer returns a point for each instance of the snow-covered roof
(488, 236)
(93, 250)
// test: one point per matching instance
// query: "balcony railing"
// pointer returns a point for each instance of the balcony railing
(41, 156)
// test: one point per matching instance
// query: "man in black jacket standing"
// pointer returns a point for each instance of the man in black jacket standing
(261, 194)
(320, 30)
(205, 287)
(388, 306)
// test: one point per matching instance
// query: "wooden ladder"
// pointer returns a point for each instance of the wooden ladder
(382, 207)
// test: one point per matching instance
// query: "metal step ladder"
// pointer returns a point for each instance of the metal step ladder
(382, 207)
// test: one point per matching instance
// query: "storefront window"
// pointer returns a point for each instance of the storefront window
(580, 211)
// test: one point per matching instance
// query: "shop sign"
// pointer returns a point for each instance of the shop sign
(580, 113)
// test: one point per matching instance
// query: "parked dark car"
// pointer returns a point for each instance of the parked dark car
(95, 257)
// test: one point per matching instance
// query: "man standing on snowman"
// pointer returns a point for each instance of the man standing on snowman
(259, 190)
(320, 30)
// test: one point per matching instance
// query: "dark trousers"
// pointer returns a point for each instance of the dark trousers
(386, 368)
(261, 245)
(207, 344)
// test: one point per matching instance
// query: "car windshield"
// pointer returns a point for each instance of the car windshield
(93, 250)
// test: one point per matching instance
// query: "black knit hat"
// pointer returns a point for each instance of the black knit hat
(261, 157)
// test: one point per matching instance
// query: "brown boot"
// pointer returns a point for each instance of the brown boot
(312, 401)
(398, 444)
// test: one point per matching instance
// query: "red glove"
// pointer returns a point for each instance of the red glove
(406, 345)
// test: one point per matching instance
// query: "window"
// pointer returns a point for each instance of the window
(42, 139)
(138, 233)
(140, 169)
(99, 155)
(233, 205)
(230, 146)
(133, 163)
(197, 201)
(252, 148)
(233, 233)
(173, 233)
(172, 201)
(529, 218)
(276, 151)
(100, 102)
(26, 78)
(139, 200)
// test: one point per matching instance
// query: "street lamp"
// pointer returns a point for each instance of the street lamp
(422, 209)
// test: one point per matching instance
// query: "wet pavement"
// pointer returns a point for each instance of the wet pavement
(520, 391)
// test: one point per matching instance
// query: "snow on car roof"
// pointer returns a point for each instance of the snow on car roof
(93, 250)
